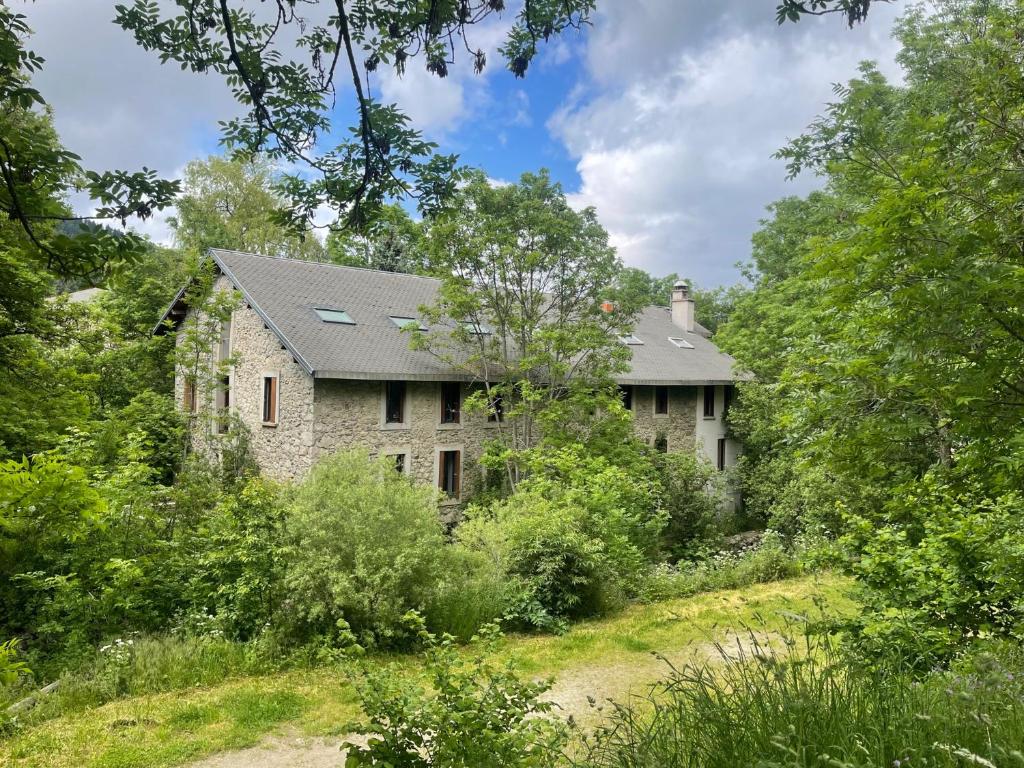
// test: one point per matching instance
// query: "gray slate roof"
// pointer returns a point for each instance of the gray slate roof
(286, 293)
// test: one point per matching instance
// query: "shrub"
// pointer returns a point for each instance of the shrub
(694, 499)
(477, 713)
(572, 538)
(363, 546)
(472, 592)
(943, 563)
(769, 560)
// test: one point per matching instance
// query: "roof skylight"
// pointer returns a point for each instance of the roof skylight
(476, 328)
(404, 322)
(334, 316)
(630, 339)
(681, 343)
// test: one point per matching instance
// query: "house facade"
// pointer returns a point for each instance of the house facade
(319, 363)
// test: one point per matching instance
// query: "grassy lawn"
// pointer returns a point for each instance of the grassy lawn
(173, 728)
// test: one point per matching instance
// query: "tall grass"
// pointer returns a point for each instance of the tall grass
(811, 707)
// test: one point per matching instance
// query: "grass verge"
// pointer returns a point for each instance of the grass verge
(614, 654)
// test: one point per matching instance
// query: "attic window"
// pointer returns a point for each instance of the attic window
(403, 322)
(681, 343)
(478, 329)
(334, 316)
(630, 339)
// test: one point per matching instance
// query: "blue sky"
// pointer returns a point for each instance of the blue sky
(663, 115)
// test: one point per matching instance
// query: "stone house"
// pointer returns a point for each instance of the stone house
(319, 363)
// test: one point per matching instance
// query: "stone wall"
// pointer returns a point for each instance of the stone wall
(350, 414)
(677, 426)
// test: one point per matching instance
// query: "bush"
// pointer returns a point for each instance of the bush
(472, 593)
(943, 563)
(769, 560)
(363, 546)
(477, 713)
(694, 499)
(572, 538)
(813, 706)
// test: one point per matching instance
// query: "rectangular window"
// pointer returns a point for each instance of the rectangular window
(270, 399)
(661, 400)
(394, 402)
(223, 404)
(224, 348)
(626, 392)
(721, 454)
(451, 402)
(449, 480)
(339, 316)
(709, 402)
(399, 460)
(496, 412)
(728, 394)
(189, 397)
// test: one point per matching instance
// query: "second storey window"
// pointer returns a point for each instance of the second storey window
(448, 469)
(720, 463)
(223, 404)
(270, 399)
(496, 412)
(661, 400)
(709, 402)
(451, 402)
(394, 402)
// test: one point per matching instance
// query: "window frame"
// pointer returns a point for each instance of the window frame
(454, 494)
(680, 342)
(720, 458)
(661, 389)
(446, 389)
(631, 340)
(408, 321)
(347, 321)
(274, 378)
(709, 395)
(404, 405)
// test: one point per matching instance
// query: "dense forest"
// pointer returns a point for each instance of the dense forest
(879, 329)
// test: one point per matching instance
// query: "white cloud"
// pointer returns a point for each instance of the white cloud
(674, 132)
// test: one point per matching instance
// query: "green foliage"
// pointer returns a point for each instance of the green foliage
(281, 68)
(363, 546)
(769, 560)
(11, 668)
(229, 203)
(803, 703)
(240, 574)
(477, 712)
(523, 278)
(693, 498)
(573, 536)
(635, 289)
(392, 243)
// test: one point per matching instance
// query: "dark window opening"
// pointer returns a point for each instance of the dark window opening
(661, 443)
(497, 409)
(189, 398)
(626, 393)
(223, 404)
(394, 402)
(270, 399)
(709, 402)
(448, 481)
(728, 395)
(399, 459)
(661, 400)
(451, 403)
(721, 454)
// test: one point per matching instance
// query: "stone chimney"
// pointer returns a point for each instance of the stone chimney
(682, 306)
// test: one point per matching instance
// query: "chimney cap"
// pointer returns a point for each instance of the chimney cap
(681, 284)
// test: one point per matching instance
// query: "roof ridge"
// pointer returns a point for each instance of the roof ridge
(325, 264)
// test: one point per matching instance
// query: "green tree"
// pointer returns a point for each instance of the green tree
(523, 279)
(231, 203)
(393, 243)
(287, 62)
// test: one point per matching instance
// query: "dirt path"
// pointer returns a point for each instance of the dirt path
(573, 691)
